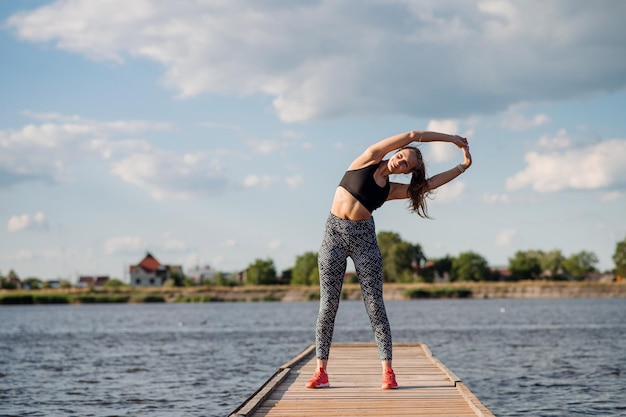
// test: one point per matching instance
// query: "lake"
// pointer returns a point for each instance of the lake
(521, 357)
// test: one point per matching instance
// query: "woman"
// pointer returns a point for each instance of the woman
(350, 232)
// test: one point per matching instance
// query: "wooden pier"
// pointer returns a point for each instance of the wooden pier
(426, 386)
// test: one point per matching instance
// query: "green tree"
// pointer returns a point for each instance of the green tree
(437, 267)
(619, 257)
(5, 284)
(32, 283)
(65, 284)
(470, 266)
(13, 275)
(552, 263)
(285, 276)
(179, 280)
(305, 271)
(219, 279)
(115, 283)
(405, 260)
(386, 242)
(525, 265)
(261, 272)
(401, 260)
(222, 279)
(580, 264)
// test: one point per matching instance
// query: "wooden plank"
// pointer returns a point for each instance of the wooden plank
(261, 394)
(427, 386)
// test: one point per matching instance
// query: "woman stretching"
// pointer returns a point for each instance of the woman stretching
(350, 232)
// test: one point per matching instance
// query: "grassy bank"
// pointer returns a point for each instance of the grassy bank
(526, 289)
(55, 298)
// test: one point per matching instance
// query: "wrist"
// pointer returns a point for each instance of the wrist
(461, 168)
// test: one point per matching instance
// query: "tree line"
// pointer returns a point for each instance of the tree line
(406, 262)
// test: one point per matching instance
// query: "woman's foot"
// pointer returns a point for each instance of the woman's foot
(389, 379)
(319, 380)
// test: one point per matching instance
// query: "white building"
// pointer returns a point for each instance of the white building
(151, 273)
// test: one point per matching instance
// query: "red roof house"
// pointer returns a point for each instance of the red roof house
(150, 272)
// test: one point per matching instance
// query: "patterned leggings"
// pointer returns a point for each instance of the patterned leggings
(356, 239)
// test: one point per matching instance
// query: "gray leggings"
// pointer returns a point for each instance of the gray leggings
(356, 239)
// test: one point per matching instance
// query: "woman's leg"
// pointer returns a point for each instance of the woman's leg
(369, 267)
(332, 268)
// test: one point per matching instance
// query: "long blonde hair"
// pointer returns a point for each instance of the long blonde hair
(418, 190)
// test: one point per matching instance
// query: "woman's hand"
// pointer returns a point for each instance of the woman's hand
(462, 143)
(459, 141)
(466, 155)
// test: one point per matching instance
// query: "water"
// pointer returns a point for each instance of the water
(559, 358)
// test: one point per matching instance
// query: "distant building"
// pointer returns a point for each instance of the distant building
(12, 281)
(202, 275)
(501, 273)
(101, 281)
(84, 282)
(98, 281)
(151, 273)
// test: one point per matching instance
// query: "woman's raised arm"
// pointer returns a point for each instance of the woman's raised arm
(377, 151)
(447, 176)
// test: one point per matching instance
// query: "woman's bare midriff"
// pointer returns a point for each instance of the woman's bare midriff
(345, 206)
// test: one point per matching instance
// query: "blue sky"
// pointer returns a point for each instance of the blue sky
(214, 133)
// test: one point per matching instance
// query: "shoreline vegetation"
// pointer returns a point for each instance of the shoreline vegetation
(290, 293)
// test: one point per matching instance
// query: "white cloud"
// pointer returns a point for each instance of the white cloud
(173, 245)
(51, 116)
(20, 255)
(259, 181)
(266, 146)
(275, 244)
(229, 243)
(290, 134)
(514, 119)
(442, 151)
(505, 237)
(214, 125)
(166, 175)
(264, 181)
(560, 141)
(295, 181)
(496, 198)
(123, 244)
(27, 222)
(449, 126)
(611, 196)
(450, 192)
(50, 151)
(321, 59)
(594, 166)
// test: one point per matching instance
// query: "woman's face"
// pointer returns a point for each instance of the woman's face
(403, 162)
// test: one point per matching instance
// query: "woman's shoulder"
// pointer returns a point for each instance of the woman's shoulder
(366, 159)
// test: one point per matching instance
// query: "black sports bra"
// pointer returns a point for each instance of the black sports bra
(361, 184)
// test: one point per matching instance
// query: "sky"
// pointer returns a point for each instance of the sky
(213, 132)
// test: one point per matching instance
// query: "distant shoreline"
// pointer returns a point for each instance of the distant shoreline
(287, 293)
(395, 291)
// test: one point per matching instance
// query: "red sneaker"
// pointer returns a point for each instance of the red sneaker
(389, 379)
(319, 380)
